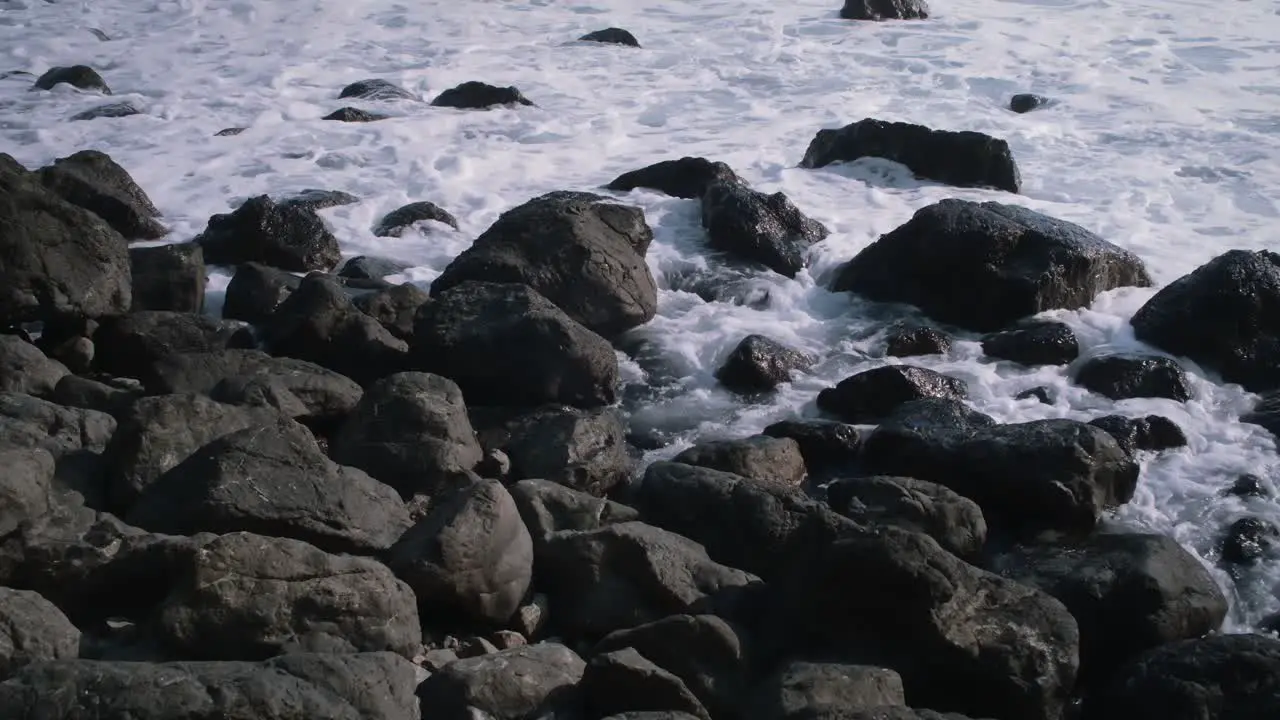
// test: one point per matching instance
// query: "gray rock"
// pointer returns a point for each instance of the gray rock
(95, 182)
(524, 682)
(808, 689)
(871, 395)
(547, 508)
(581, 449)
(168, 277)
(954, 521)
(625, 681)
(759, 457)
(376, 89)
(24, 369)
(33, 630)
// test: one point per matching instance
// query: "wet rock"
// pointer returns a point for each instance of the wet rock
(24, 369)
(1026, 102)
(869, 396)
(316, 199)
(1265, 414)
(396, 307)
(168, 277)
(483, 686)
(906, 340)
(613, 35)
(1124, 376)
(688, 177)
(625, 681)
(759, 364)
(759, 457)
(256, 290)
(1248, 485)
(228, 132)
(110, 110)
(983, 266)
(467, 333)
(1249, 539)
(95, 182)
(1185, 318)
(1152, 432)
(754, 226)
(410, 431)
(33, 630)
(474, 95)
(954, 521)
(394, 223)
(547, 507)
(800, 689)
(738, 286)
(1040, 394)
(1034, 343)
(272, 478)
(884, 10)
(824, 445)
(584, 255)
(252, 597)
(287, 236)
(962, 159)
(1128, 592)
(129, 344)
(1028, 478)
(81, 77)
(375, 89)
(581, 449)
(354, 115)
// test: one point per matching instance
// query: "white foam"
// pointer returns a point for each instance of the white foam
(1163, 139)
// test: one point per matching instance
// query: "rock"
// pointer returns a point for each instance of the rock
(396, 307)
(1039, 394)
(531, 618)
(74, 391)
(376, 89)
(1128, 592)
(32, 630)
(316, 199)
(489, 685)
(983, 266)
(1124, 376)
(364, 267)
(1034, 343)
(326, 396)
(1026, 102)
(229, 132)
(761, 228)
(1247, 540)
(394, 223)
(624, 680)
(688, 177)
(1028, 477)
(60, 259)
(1214, 678)
(508, 639)
(1265, 414)
(824, 445)
(109, 110)
(809, 689)
(962, 639)
(906, 340)
(24, 369)
(871, 395)
(705, 652)
(255, 291)
(350, 114)
(130, 344)
(761, 527)
(954, 521)
(547, 507)
(81, 77)
(585, 450)
(759, 457)
(272, 478)
(884, 10)
(287, 236)
(627, 574)
(613, 35)
(466, 334)
(410, 431)
(1186, 318)
(738, 286)
(168, 277)
(1152, 432)
(474, 95)
(74, 437)
(585, 256)
(319, 323)
(759, 364)
(95, 182)
(475, 647)
(1248, 485)
(27, 491)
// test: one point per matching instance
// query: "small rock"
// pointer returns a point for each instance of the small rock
(884, 10)
(531, 617)
(625, 681)
(395, 307)
(436, 659)
(1026, 102)
(25, 369)
(228, 132)
(475, 647)
(495, 465)
(507, 639)
(474, 95)
(1040, 394)
(754, 226)
(350, 114)
(825, 445)
(110, 110)
(524, 682)
(1152, 432)
(800, 689)
(1034, 343)
(613, 35)
(688, 177)
(394, 223)
(759, 364)
(315, 199)
(376, 89)
(256, 290)
(906, 340)
(78, 76)
(762, 458)
(364, 267)
(1248, 485)
(871, 395)
(1120, 377)
(1249, 539)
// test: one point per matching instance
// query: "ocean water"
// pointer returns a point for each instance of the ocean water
(1164, 138)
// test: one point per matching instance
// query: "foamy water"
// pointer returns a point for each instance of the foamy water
(1163, 138)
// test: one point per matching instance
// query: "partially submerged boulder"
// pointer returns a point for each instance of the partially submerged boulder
(761, 228)
(288, 236)
(95, 182)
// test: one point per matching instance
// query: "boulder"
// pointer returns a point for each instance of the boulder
(1124, 376)
(32, 630)
(547, 507)
(954, 521)
(74, 437)
(111, 396)
(815, 689)
(367, 267)
(255, 291)
(317, 199)
(81, 77)
(288, 236)
(983, 266)
(871, 395)
(688, 177)
(759, 457)
(394, 223)
(580, 252)
(1026, 102)
(168, 277)
(625, 681)
(826, 446)
(884, 10)
(376, 89)
(581, 449)
(27, 490)
(1186, 318)
(24, 369)
(108, 110)
(95, 182)
(760, 228)
(524, 682)
(467, 334)
(907, 340)
(759, 364)
(613, 35)
(350, 114)
(396, 307)
(1152, 432)
(475, 95)
(129, 345)
(961, 159)
(1248, 540)
(1034, 343)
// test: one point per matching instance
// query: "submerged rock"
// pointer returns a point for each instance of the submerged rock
(475, 95)
(81, 77)
(884, 10)
(375, 89)
(613, 35)
(688, 177)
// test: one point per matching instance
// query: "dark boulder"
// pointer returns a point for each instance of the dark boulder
(375, 89)
(759, 364)
(823, 690)
(1044, 342)
(623, 680)
(81, 77)
(613, 35)
(954, 521)
(547, 507)
(1225, 316)
(354, 115)
(688, 177)
(256, 290)
(1124, 376)
(884, 10)
(128, 345)
(1248, 540)
(475, 95)
(73, 436)
(825, 445)
(584, 255)
(32, 630)
(394, 223)
(1026, 102)
(516, 684)
(168, 277)
(1152, 432)
(287, 236)
(365, 267)
(869, 396)
(907, 340)
(1265, 414)
(983, 266)
(962, 159)
(581, 449)
(395, 307)
(759, 457)
(761, 228)
(24, 369)
(109, 110)
(95, 182)
(507, 345)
